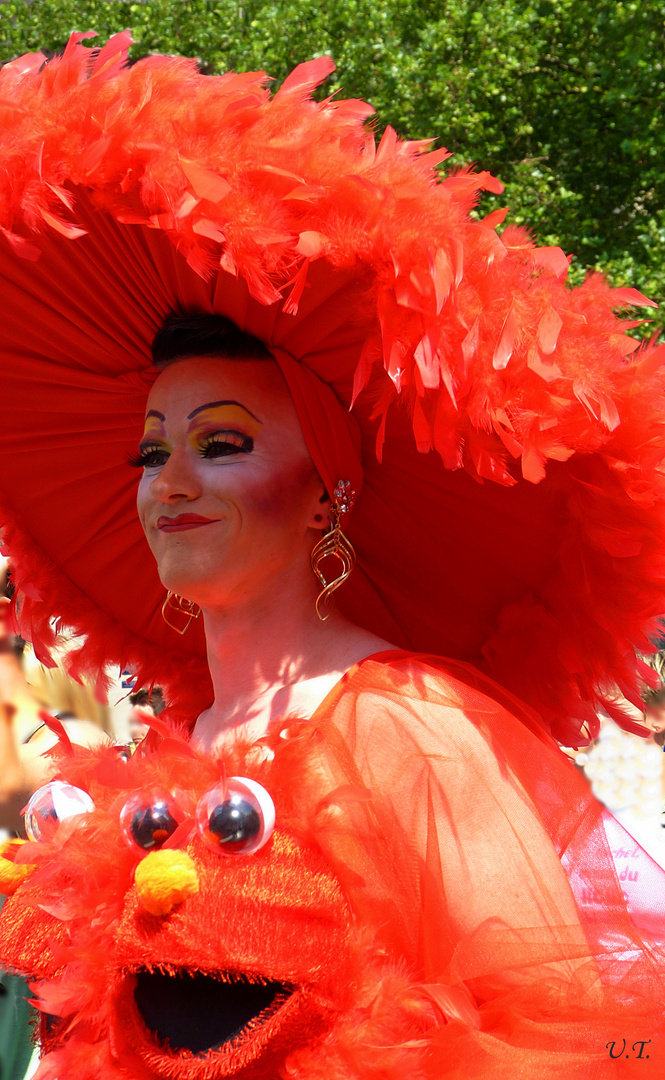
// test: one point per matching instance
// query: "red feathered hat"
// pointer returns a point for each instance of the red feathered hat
(513, 435)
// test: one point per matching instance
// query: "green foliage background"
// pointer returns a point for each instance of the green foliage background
(563, 99)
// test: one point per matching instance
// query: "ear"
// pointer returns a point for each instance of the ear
(320, 516)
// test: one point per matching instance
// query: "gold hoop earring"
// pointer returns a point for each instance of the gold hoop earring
(184, 607)
(334, 544)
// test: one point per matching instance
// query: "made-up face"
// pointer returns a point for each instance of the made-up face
(229, 495)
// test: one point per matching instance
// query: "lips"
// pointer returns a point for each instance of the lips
(183, 522)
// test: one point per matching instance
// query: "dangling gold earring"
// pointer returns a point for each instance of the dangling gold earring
(334, 544)
(184, 607)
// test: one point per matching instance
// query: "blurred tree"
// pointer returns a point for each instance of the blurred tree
(563, 100)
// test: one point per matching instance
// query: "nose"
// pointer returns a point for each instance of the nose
(176, 479)
(165, 878)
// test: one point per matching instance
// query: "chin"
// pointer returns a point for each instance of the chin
(191, 581)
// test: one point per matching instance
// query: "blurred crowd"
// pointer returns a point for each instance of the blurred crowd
(627, 772)
(30, 693)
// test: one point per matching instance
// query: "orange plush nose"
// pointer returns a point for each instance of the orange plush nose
(164, 879)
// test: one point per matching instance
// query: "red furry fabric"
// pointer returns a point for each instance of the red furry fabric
(126, 193)
(386, 900)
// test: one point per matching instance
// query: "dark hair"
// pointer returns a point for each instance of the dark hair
(204, 335)
(653, 696)
(153, 698)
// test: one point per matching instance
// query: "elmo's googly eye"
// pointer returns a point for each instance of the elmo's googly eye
(52, 804)
(149, 818)
(237, 818)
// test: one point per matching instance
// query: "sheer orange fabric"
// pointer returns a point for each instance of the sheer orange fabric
(457, 858)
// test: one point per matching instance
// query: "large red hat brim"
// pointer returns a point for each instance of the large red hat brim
(512, 509)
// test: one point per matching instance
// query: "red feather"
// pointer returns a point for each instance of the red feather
(58, 728)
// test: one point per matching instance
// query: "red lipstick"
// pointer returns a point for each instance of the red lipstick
(182, 522)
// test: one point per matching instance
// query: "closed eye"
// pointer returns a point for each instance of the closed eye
(226, 443)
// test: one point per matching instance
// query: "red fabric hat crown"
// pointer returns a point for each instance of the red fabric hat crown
(512, 433)
(331, 433)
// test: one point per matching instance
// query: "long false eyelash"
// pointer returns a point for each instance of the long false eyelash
(245, 445)
(135, 461)
(142, 458)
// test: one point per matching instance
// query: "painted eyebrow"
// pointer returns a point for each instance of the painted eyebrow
(215, 405)
(153, 412)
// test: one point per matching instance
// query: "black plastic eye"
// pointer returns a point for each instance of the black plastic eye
(235, 823)
(149, 818)
(237, 818)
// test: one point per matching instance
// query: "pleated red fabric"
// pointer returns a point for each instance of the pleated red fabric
(512, 511)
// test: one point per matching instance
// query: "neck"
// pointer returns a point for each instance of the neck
(257, 650)
(275, 659)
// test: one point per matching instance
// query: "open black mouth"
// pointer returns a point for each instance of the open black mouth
(198, 1012)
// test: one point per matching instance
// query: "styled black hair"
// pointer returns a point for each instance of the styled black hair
(204, 335)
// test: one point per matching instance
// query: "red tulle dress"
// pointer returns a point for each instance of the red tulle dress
(439, 889)
(487, 846)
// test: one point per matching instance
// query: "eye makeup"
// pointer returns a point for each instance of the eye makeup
(153, 449)
(229, 415)
(220, 429)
